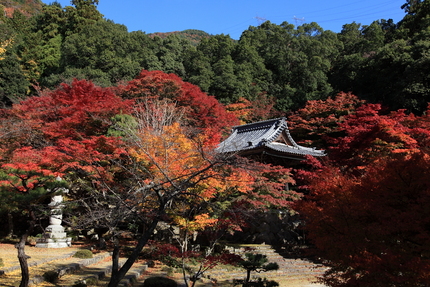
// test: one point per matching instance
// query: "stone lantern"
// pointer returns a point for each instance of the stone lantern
(54, 236)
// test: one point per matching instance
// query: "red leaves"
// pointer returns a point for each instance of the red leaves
(375, 224)
(370, 134)
(367, 208)
(65, 129)
(320, 119)
(202, 111)
(81, 109)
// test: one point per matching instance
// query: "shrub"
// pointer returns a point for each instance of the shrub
(1, 262)
(92, 281)
(50, 276)
(79, 284)
(84, 253)
(159, 282)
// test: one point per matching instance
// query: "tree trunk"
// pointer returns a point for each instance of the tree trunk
(248, 276)
(10, 224)
(115, 258)
(22, 257)
(118, 276)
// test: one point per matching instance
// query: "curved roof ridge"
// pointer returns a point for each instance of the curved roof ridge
(257, 123)
(261, 135)
(281, 125)
(290, 138)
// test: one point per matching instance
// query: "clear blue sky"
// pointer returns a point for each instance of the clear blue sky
(234, 16)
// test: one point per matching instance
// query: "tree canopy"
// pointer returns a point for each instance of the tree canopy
(382, 62)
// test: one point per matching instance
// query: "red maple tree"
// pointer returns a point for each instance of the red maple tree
(366, 208)
(201, 109)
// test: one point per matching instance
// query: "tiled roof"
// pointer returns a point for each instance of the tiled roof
(271, 135)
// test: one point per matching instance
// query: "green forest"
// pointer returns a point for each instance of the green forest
(384, 62)
(125, 127)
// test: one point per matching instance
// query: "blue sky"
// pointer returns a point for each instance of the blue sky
(232, 17)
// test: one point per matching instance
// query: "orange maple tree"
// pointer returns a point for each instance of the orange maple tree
(150, 152)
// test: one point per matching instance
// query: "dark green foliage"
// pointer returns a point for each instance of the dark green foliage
(102, 46)
(83, 254)
(257, 263)
(159, 282)
(50, 276)
(190, 35)
(1, 262)
(386, 63)
(79, 284)
(259, 283)
(13, 84)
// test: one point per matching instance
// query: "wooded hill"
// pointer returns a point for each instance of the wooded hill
(384, 62)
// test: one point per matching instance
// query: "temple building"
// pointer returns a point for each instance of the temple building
(267, 141)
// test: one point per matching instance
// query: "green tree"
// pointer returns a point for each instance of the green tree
(257, 263)
(417, 17)
(171, 54)
(225, 84)
(144, 49)
(253, 77)
(23, 188)
(198, 68)
(13, 83)
(103, 47)
(298, 59)
(83, 13)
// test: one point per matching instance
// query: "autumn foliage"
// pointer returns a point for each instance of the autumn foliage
(366, 208)
(319, 120)
(62, 127)
(201, 110)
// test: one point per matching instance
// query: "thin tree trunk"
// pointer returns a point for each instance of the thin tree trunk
(115, 258)
(22, 257)
(116, 278)
(248, 276)
(10, 224)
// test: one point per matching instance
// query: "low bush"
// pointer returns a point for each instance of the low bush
(159, 282)
(50, 276)
(83, 254)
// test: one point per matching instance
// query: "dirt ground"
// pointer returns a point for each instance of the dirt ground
(12, 278)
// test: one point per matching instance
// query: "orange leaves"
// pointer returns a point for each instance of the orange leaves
(168, 153)
(241, 109)
(172, 155)
(198, 223)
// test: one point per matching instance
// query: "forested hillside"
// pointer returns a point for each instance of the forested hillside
(384, 62)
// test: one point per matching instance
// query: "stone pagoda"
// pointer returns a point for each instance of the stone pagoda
(54, 235)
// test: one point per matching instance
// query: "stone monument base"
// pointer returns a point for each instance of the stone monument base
(54, 243)
(54, 237)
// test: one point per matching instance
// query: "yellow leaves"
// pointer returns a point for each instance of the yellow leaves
(3, 46)
(198, 223)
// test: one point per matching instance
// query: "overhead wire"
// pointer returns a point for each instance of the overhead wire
(335, 15)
